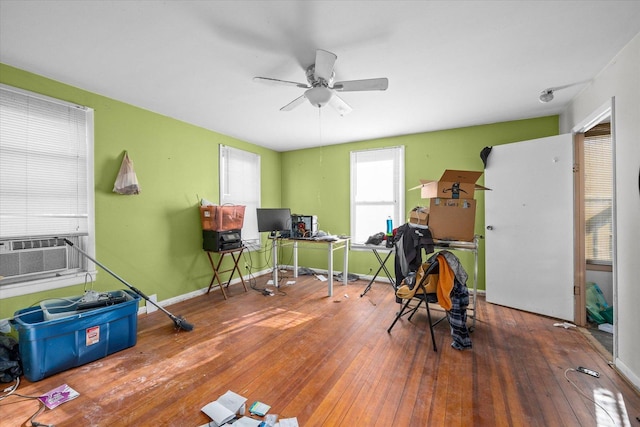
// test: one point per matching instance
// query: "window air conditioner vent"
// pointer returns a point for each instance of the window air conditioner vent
(20, 258)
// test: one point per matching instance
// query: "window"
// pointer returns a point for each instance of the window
(240, 185)
(46, 191)
(377, 191)
(598, 194)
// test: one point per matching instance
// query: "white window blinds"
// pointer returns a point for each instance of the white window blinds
(43, 166)
(598, 163)
(240, 185)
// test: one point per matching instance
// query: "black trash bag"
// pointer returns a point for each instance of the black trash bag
(10, 364)
(304, 271)
(350, 277)
(376, 239)
(410, 280)
(484, 155)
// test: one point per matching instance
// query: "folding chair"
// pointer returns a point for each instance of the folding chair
(423, 293)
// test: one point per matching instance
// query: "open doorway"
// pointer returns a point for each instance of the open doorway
(595, 230)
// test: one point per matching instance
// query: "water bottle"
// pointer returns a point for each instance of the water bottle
(389, 226)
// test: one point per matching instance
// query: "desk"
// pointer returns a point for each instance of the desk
(235, 255)
(331, 247)
(376, 249)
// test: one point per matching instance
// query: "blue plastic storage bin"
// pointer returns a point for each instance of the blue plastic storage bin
(51, 346)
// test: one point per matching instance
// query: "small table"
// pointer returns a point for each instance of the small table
(376, 249)
(330, 245)
(235, 255)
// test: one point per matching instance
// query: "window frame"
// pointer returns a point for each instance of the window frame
(396, 154)
(86, 240)
(597, 152)
(231, 163)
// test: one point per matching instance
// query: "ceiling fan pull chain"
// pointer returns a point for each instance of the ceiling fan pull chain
(320, 124)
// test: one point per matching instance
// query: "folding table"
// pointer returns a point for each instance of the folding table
(235, 256)
(382, 261)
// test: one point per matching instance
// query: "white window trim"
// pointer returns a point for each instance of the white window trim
(251, 242)
(399, 206)
(46, 284)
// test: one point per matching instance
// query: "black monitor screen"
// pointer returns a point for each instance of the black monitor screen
(274, 219)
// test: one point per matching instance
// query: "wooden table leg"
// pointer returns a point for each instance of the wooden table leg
(216, 276)
(236, 267)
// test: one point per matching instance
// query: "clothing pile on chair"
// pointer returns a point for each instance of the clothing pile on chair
(409, 242)
(453, 296)
(451, 290)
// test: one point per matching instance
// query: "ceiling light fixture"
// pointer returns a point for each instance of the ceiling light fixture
(318, 96)
(547, 94)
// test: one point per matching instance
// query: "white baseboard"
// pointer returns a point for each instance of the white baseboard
(628, 374)
(196, 293)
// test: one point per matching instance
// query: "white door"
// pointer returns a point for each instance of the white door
(529, 220)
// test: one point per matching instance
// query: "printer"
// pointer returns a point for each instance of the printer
(217, 241)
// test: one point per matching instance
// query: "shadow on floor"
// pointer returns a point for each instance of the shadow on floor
(604, 338)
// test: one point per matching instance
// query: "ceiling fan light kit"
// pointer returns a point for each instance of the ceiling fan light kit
(318, 96)
(546, 95)
(321, 89)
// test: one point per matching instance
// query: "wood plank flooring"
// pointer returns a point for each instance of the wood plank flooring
(329, 361)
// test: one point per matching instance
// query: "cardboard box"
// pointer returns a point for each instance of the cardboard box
(453, 184)
(452, 219)
(419, 216)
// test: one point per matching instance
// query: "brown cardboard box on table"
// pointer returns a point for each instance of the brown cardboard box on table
(453, 184)
(419, 216)
(452, 208)
(452, 219)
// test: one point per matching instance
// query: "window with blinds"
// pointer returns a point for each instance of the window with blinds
(240, 185)
(46, 185)
(598, 189)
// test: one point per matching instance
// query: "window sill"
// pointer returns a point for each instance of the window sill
(26, 288)
(599, 267)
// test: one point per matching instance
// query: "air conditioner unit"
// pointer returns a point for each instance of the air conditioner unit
(20, 258)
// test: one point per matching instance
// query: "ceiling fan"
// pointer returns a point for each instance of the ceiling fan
(321, 90)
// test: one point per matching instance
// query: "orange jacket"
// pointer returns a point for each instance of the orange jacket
(446, 280)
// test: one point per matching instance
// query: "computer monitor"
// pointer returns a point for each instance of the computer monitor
(274, 219)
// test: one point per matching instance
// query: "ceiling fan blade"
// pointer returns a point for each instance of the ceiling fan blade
(277, 82)
(293, 104)
(324, 64)
(339, 105)
(360, 85)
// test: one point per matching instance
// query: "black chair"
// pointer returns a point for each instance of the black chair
(419, 292)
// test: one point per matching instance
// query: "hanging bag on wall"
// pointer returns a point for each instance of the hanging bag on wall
(127, 181)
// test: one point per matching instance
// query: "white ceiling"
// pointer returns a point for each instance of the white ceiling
(450, 63)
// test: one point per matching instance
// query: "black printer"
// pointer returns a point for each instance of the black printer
(217, 241)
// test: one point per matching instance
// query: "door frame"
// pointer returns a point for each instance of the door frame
(579, 223)
(607, 110)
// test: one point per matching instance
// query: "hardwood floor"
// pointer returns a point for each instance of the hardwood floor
(330, 362)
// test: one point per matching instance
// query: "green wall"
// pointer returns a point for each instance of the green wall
(316, 181)
(153, 240)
